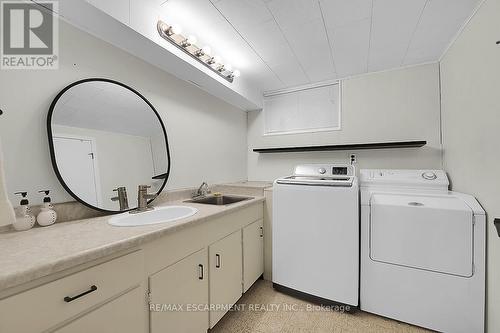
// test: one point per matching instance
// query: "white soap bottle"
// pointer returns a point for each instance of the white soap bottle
(24, 218)
(47, 215)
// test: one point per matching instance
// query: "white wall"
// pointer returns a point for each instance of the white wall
(207, 136)
(122, 160)
(388, 106)
(470, 74)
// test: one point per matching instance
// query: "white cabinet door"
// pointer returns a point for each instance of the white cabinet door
(125, 314)
(253, 253)
(173, 292)
(225, 275)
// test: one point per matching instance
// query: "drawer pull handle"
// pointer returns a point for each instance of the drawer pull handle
(200, 274)
(217, 261)
(261, 231)
(68, 299)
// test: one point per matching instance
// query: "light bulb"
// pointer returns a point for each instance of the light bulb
(192, 39)
(228, 67)
(176, 29)
(236, 73)
(207, 50)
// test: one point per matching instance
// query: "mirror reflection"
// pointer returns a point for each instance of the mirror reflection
(106, 141)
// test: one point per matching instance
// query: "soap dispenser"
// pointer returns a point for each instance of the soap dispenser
(47, 215)
(24, 218)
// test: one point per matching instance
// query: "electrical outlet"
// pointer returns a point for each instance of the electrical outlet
(352, 159)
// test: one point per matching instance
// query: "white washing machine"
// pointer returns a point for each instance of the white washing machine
(422, 251)
(316, 234)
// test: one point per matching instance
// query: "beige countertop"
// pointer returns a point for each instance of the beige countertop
(250, 184)
(39, 252)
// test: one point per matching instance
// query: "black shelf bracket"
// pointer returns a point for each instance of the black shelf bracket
(496, 222)
(354, 146)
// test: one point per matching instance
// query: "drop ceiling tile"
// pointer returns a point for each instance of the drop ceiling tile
(290, 74)
(265, 80)
(341, 12)
(428, 53)
(244, 12)
(311, 48)
(268, 41)
(434, 33)
(393, 25)
(302, 25)
(294, 12)
(350, 45)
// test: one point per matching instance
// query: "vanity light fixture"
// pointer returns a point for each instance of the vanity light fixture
(211, 61)
(172, 33)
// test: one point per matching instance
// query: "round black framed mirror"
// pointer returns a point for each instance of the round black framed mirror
(105, 140)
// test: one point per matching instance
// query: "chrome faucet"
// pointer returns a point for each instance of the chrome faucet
(202, 191)
(142, 199)
(121, 197)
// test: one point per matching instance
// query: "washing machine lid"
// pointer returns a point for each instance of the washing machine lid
(416, 179)
(428, 232)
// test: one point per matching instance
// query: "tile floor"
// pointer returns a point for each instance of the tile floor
(298, 317)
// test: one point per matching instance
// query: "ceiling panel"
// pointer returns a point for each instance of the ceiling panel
(290, 73)
(244, 12)
(393, 25)
(341, 12)
(348, 26)
(263, 34)
(311, 47)
(201, 18)
(302, 25)
(289, 13)
(350, 47)
(284, 43)
(434, 33)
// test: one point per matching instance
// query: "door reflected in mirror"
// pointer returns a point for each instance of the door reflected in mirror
(105, 136)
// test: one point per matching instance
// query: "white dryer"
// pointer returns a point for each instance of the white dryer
(422, 251)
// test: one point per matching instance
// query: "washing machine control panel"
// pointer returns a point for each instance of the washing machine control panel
(429, 175)
(327, 170)
(339, 171)
(409, 178)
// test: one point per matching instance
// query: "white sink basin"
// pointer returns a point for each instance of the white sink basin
(158, 215)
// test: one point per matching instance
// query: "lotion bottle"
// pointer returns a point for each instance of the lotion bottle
(47, 215)
(24, 218)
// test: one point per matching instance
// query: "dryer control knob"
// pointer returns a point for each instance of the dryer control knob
(322, 171)
(429, 175)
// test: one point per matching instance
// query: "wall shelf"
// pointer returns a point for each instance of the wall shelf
(354, 146)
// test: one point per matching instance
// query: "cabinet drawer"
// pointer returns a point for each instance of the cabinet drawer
(124, 314)
(43, 307)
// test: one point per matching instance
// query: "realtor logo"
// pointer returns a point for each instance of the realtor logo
(29, 36)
